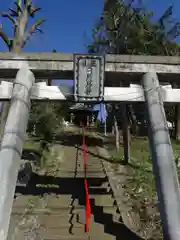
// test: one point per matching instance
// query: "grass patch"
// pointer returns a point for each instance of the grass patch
(42, 153)
(32, 145)
(48, 160)
(141, 187)
(141, 165)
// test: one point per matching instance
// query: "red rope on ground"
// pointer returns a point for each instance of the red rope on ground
(88, 206)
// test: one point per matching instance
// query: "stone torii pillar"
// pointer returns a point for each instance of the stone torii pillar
(12, 144)
(167, 183)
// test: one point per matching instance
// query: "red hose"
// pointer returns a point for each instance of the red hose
(88, 206)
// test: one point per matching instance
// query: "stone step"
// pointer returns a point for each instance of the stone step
(56, 201)
(86, 237)
(54, 220)
(94, 163)
(64, 203)
(106, 203)
(79, 174)
(49, 234)
(94, 168)
(25, 200)
(48, 222)
(13, 226)
(65, 213)
(110, 210)
(51, 201)
(95, 236)
(88, 168)
(80, 167)
(100, 236)
(102, 200)
(94, 226)
(57, 221)
(61, 231)
(52, 230)
(21, 235)
(61, 217)
(105, 184)
(114, 217)
(96, 231)
(60, 210)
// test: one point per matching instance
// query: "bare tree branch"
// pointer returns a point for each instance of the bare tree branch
(19, 9)
(39, 30)
(13, 13)
(4, 37)
(27, 2)
(33, 10)
(32, 30)
(7, 15)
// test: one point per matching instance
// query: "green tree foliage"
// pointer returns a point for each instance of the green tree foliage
(128, 28)
(46, 118)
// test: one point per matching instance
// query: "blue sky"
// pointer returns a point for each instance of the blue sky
(159, 6)
(68, 26)
(69, 23)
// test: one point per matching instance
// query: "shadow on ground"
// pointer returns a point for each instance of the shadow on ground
(74, 186)
(117, 229)
(69, 139)
(31, 155)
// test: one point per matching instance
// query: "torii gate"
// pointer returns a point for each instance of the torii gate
(92, 76)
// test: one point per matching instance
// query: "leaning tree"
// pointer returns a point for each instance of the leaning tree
(19, 17)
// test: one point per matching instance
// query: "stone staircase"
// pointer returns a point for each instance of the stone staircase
(56, 209)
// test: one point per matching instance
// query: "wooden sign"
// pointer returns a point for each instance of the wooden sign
(88, 78)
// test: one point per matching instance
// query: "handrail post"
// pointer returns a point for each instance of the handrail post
(12, 144)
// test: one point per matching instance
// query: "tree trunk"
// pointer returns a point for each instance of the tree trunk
(49, 82)
(116, 132)
(34, 129)
(126, 133)
(177, 117)
(177, 123)
(113, 130)
(134, 121)
(18, 41)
